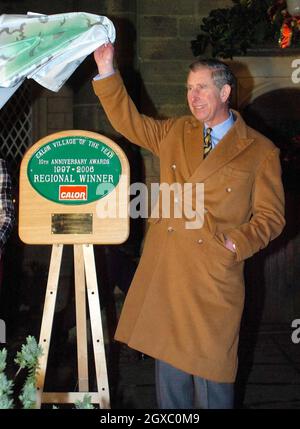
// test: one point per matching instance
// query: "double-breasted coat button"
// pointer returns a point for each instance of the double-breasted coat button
(174, 167)
(200, 241)
(170, 229)
(228, 189)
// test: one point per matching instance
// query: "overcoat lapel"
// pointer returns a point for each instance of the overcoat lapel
(227, 149)
(193, 145)
(233, 143)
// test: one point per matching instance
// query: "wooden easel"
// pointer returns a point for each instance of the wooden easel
(85, 281)
(53, 215)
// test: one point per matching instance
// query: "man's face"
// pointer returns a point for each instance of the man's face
(206, 102)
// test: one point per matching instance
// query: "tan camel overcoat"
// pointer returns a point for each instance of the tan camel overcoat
(185, 303)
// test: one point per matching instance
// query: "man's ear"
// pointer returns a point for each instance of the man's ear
(225, 93)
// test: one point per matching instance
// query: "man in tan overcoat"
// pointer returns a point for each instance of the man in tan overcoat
(185, 303)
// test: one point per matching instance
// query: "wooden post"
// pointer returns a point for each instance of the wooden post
(85, 281)
(81, 326)
(48, 313)
(96, 325)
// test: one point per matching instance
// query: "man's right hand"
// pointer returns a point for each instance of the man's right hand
(104, 57)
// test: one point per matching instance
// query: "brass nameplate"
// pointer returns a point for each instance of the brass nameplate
(72, 223)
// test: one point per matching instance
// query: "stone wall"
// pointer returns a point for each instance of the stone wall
(152, 49)
(153, 52)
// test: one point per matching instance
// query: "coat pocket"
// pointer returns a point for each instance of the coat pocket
(221, 251)
(234, 172)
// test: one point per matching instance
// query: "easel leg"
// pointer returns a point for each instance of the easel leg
(48, 313)
(80, 300)
(96, 326)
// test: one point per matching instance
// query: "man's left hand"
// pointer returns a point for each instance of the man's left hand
(230, 245)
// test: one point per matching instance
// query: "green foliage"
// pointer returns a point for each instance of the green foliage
(26, 358)
(6, 386)
(232, 31)
(29, 354)
(85, 404)
(28, 396)
(3, 356)
(6, 390)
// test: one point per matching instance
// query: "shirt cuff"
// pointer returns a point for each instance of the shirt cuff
(103, 76)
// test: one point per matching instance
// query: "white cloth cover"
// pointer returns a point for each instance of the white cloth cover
(47, 48)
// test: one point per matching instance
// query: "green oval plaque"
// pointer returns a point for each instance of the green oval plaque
(74, 170)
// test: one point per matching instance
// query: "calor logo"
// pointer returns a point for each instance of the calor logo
(72, 193)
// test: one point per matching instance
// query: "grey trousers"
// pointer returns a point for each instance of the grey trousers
(176, 389)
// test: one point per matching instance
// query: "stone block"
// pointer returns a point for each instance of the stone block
(168, 7)
(68, 121)
(173, 110)
(158, 26)
(160, 71)
(189, 27)
(59, 105)
(91, 6)
(92, 117)
(55, 121)
(117, 6)
(20, 7)
(156, 71)
(204, 8)
(157, 49)
(165, 93)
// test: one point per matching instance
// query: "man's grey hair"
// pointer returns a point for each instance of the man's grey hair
(221, 73)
